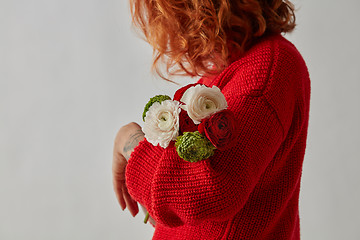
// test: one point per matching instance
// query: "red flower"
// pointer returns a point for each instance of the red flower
(220, 129)
(186, 124)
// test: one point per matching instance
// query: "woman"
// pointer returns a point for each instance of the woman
(251, 190)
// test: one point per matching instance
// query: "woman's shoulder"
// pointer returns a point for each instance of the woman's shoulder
(269, 49)
(269, 63)
(273, 70)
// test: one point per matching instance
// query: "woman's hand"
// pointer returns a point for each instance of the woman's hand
(127, 138)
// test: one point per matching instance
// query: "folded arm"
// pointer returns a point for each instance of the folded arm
(177, 192)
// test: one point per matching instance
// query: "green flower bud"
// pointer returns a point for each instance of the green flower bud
(193, 146)
(157, 98)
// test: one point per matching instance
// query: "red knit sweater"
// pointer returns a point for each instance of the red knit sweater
(250, 191)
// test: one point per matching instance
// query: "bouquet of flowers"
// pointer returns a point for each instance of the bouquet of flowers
(196, 121)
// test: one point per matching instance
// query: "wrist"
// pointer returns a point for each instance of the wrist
(129, 137)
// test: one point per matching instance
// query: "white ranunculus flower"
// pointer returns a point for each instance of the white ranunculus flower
(202, 101)
(162, 123)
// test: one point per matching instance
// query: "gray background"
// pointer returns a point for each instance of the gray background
(72, 72)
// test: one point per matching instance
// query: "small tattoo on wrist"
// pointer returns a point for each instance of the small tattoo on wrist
(132, 142)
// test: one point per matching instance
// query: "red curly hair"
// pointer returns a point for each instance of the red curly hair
(193, 37)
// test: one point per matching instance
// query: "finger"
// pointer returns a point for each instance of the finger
(119, 194)
(118, 167)
(152, 221)
(130, 203)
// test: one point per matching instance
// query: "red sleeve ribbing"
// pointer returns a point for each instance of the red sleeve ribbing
(176, 192)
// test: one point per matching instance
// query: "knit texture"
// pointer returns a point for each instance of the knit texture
(251, 190)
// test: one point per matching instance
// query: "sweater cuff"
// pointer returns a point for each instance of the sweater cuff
(140, 169)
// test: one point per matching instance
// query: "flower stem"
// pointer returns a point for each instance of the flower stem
(146, 217)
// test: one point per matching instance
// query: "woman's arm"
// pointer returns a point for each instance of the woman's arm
(127, 138)
(177, 192)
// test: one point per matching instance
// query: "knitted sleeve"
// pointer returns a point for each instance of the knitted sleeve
(176, 192)
(140, 169)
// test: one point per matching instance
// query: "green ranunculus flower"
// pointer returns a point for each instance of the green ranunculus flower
(157, 98)
(193, 147)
